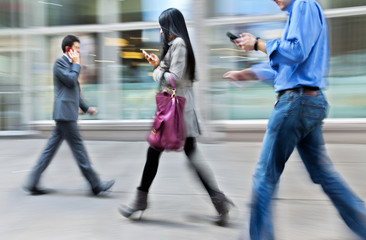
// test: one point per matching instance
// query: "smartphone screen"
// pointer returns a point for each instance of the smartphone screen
(231, 36)
(146, 53)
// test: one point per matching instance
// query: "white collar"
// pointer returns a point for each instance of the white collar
(68, 57)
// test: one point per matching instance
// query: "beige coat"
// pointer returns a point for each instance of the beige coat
(174, 63)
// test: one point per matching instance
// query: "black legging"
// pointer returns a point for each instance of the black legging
(190, 149)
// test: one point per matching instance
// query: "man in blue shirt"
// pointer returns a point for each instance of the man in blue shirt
(298, 64)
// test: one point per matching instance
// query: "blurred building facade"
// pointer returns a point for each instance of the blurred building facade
(117, 80)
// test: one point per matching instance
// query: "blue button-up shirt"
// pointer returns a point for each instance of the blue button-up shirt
(301, 56)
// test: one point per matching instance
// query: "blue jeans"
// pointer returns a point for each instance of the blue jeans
(296, 121)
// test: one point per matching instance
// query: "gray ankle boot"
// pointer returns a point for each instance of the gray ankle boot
(139, 204)
(222, 205)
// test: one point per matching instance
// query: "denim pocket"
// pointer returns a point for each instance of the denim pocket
(313, 111)
(283, 108)
(285, 103)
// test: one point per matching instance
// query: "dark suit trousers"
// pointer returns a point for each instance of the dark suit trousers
(70, 132)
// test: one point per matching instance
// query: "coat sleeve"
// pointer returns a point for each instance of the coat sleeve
(83, 105)
(177, 65)
(68, 76)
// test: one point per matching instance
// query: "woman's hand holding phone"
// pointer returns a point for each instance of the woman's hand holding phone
(151, 58)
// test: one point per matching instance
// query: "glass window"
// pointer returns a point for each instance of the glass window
(230, 8)
(238, 8)
(149, 10)
(347, 77)
(60, 13)
(71, 12)
(10, 84)
(341, 3)
(137, 87)
(11, 12)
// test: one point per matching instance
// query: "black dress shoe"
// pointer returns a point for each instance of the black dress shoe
(36, 191)
(103, 187)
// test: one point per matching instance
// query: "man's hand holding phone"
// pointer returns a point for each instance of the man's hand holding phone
(151, 58)
(232, 37)
(245, 41)
(74, 55)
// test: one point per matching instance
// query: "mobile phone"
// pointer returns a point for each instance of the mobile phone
(143, 51)
(232, 36)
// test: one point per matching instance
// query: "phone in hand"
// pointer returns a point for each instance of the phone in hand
(143, 51)
(232, 36)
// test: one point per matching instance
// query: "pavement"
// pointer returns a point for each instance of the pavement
(179, 208)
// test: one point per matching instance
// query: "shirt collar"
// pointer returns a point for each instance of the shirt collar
(290, 6)
(68, 58)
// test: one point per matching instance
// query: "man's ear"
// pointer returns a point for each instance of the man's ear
(67, 48)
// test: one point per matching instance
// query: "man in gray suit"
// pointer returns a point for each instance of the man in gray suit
(66, 108)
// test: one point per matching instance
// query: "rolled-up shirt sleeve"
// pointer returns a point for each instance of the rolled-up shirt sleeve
(304, 28)
(264, 72)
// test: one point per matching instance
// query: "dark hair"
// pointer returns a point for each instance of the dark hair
(172, 22)
(68, 41)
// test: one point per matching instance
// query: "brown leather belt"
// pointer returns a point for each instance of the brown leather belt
(308, 91)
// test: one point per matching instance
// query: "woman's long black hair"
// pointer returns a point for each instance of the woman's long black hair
(172, 22)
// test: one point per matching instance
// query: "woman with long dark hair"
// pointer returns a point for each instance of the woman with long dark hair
(179, 62)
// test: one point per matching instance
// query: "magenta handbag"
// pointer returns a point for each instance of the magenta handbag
(168, 129)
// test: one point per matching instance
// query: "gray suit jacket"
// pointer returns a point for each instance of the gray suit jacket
(67, 91)
(174, 63)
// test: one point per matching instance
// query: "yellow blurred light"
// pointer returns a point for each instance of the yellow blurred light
(115, 42)
(132, 55)
(150, 49)
(139, 38)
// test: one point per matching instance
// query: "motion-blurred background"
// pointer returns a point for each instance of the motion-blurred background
(116, 78)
